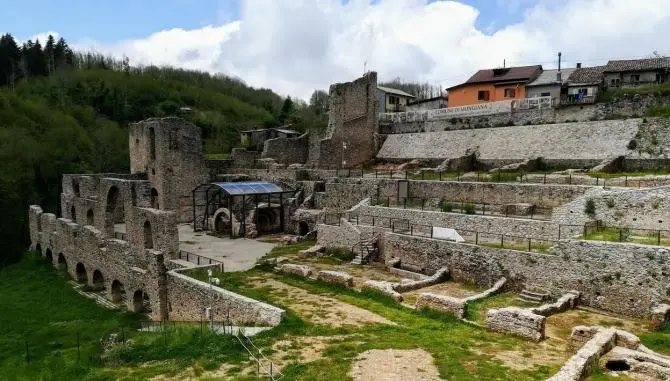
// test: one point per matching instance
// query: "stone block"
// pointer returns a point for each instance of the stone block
(516, 321)
(443, 303)
(386, 288)
(301, 270)
(660, 315)
(336, 277)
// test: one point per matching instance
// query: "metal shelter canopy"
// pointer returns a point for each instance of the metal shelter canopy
(249, 188)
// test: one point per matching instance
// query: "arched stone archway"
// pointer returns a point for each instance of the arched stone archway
(118, 291)
(141, 302)
(49, 256)
(98, 280)
(267, 220)
(90, 217)
(148, 236)
(80, 272)
(75, 188)
(62, 262)
(154, 199)
(114, 209)
(73, 214)
(303, 228)
(38, 248)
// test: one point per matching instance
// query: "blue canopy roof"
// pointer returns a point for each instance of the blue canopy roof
(249, 187)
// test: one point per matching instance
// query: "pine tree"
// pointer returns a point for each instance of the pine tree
(287, 110)
(49, 49)
(10, 58)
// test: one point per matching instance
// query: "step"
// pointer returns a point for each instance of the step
(521, 299)
(542, 295)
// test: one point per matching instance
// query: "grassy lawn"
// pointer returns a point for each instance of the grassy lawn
(43, 318)
(614, 175)
(520, 245)
(614, 235)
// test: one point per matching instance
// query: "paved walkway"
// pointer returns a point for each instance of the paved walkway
(237, 254)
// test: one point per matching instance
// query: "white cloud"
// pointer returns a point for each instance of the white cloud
(296, 46)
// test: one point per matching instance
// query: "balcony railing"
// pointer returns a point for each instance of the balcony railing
(573, 99)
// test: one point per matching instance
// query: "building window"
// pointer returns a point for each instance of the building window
(635, 78)
(393, 100)
(583, 91)
(545, 94)
(483, 95)
(510, 93)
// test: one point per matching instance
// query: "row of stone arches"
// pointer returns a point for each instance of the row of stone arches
(90, 220)
(140, 303)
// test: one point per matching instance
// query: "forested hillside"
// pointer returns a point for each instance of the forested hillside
(68, 112)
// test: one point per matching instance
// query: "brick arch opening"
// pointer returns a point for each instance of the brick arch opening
(154, 199)
(98, 280)
(73, 214)
(80, 272)
(38, 248)
(303, 228)
(49, 256)
(148, 236)
(75, 188)
(141, 302)
(114, 209)
(90, 217)
(267, 220)
(62, 262)
(118, 291)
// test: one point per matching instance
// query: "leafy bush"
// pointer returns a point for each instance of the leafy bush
(632, 144)
(590, 208)
(610, 203)
(446, 206)
(469, 208)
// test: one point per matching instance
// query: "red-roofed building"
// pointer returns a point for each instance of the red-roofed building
(493, 85)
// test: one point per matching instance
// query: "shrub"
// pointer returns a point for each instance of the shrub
(446, 206)
(656, 203)
(632, 144)
(341, 254)
(590, 208)
(469, 208)
(610, 203)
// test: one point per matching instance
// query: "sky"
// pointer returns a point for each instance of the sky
(296, 46)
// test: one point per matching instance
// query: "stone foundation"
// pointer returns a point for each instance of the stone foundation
(516, 321)
(336, 277)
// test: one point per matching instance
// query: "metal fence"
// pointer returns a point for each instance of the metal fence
(529, 211)
(598, 231)
(199, 259)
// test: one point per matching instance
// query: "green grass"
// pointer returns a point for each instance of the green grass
(663, 111)
(477, 310)
(520, 246)
(434, 175)
(611, 94)
(610, 234)
(217, 156)
(606, 175)
(658, 340)
(43, 316)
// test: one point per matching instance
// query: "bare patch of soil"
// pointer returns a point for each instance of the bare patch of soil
(454, 289)
(320, 309)
(394, 365)
(560, 326)
(529, 356)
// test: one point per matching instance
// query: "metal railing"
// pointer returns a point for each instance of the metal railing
(199, 259)
(599, 232)
(531, 211)
(263, 363)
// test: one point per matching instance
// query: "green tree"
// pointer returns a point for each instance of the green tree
(287, 110)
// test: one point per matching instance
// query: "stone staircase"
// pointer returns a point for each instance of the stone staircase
(534, 297)
(365, 248)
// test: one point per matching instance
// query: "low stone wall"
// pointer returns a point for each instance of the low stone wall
(300, 270)
(516, 321)
(625, 279)
(439, 276)
(443, 303)
(564, 303)
(189, 297)
(660, 315)
(336, 277)
(491, 291)
(580, 365)
(384, 287)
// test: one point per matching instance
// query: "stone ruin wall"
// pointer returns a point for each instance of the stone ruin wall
(625, 279)
(287, 150)
(629, 107)
(352, 123)
(169, 151)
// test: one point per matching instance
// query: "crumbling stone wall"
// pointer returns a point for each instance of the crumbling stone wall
(352, 124)
(169, 152)
(287, 150)
(625, 279)
(188, 299)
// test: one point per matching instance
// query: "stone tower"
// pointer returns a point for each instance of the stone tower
(169, 151)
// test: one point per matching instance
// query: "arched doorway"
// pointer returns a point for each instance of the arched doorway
(118, 292)
(114, 210)
(38, 248)
(266, 220)
(154, 199)
(80, 271)
(73, 214)
(49, 256)
(89, 217)
(303, 228)
(62, 263)
(141, 302)
(75, 188)
(98, 280)
(148, 236)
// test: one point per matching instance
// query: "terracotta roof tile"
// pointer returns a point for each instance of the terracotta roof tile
(637, 65)
(519, 73)
(592, 74)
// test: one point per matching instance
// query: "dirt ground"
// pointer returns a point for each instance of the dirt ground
(320, 309)
(394, 365)
(559, 326)
(361, 274)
